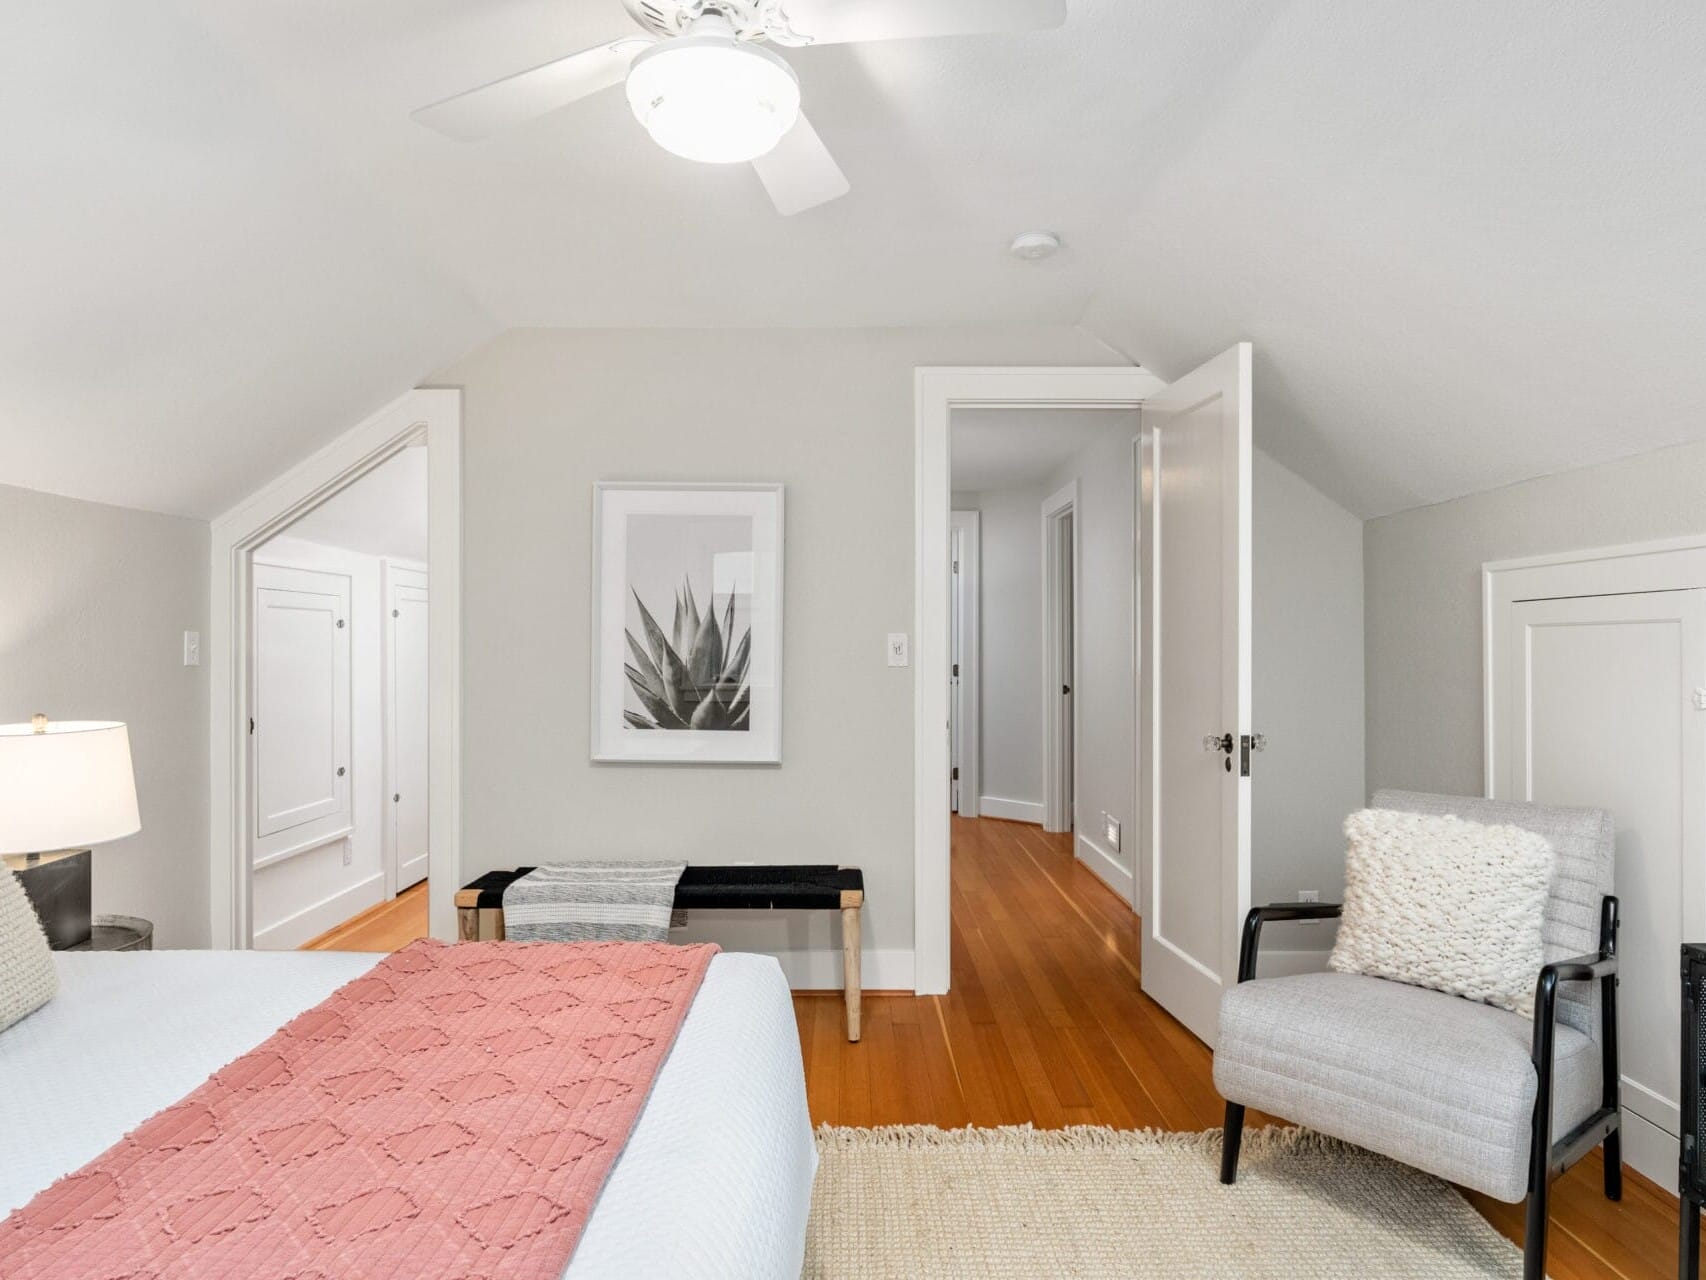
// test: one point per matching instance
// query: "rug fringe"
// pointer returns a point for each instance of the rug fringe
(1084, 1137)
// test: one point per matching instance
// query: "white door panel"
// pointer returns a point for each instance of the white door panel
(1196, 672)
(408, 800)
(1600, 692)
(301, 698)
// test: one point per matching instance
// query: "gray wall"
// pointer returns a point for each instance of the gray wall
(1423, 578)
(94, 601)
(1106, 763)
(1010, 727)
(1307, 692)
(827, 412)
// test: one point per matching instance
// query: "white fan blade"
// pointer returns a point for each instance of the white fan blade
(527, 95)
(843, 21)
(800, 173)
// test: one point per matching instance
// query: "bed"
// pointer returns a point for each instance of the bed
(715, 1180)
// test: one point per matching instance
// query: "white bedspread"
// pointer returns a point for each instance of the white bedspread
(715, 1181)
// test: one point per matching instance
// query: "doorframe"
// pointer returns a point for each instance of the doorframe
(968, 599)
(1060, 795)
(389, 568)
(937, 391)
(430, 414)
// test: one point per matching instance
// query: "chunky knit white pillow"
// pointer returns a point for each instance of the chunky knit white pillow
(27, 976)
(1443, 903)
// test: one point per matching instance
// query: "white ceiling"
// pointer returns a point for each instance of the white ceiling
(997, 449)
(382, 514)
(1465, 237)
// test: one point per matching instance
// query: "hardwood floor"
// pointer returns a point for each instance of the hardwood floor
(1046, 1024)
(385, 927)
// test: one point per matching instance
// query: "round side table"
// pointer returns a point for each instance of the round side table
(118, 933)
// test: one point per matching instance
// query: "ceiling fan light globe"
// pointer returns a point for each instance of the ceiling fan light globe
(713, 98)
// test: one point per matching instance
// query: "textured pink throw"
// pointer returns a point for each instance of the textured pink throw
(451, 1114)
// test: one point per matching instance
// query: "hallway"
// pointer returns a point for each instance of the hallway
(1046, 1025)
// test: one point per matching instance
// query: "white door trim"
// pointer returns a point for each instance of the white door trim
(435, 415)
(1670, 564)
(1060, 792)
(968, 598)
(936, 392)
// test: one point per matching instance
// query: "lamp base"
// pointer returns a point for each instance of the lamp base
(58, 886)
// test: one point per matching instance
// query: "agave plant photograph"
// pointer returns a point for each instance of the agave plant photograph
(694, 677)
(687, 623)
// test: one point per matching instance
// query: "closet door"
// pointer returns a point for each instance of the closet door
(406, 727)
(1601, 702)
(301, 729)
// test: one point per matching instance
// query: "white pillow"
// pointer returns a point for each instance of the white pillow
(1443, 903)
(28, 979)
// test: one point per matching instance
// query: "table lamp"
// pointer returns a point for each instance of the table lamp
(64, 786)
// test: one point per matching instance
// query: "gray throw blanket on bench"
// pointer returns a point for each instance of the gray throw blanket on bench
(593, 902)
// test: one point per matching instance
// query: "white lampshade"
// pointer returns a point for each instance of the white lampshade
(65, 785)
(710, 97)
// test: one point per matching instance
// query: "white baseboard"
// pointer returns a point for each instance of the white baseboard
(1649, 1150)
(1276, 963)
(312, 921)
(1012, 810)
(1108, 867)
(820, 970)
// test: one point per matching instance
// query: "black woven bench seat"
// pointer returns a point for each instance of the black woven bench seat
(808, 888)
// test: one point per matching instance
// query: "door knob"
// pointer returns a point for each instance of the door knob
(340, 771)
(1217, 742)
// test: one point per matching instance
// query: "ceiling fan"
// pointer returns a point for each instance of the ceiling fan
(704, 82)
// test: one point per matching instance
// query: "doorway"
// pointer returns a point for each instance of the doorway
(356, 816)
(1060, 631)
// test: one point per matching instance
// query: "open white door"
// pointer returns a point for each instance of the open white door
(1195, 644)
(407, 731)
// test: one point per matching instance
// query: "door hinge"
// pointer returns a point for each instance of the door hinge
(956, 566)
(1246, 744)
(956, 671)
(251, 724)
(954, 776)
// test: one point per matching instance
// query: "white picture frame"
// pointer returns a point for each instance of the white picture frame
(669, 559)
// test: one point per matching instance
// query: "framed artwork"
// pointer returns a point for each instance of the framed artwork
(687, 623)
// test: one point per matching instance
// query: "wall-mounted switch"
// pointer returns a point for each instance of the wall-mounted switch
(192, 648)
(900, 649)
(1111, 829)
(349, 853)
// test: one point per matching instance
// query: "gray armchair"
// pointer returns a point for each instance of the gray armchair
(1464, 1091)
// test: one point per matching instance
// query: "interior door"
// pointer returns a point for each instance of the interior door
(407, 724)
(1195, 678)
(301, 699)
(1604, 705)
(956, 643)
(1068, 669)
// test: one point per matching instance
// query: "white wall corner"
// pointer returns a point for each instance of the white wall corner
(819, 969)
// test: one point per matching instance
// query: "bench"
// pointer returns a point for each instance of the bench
(480, 914)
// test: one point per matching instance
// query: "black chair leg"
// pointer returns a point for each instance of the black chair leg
(1688, 1248)
(1230, 1143)
(1614, 1165)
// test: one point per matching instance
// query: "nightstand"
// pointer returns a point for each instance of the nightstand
(118, 933)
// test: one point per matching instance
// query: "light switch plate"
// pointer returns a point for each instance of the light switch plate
(900, 649)
(192, 648)
(1111, 829)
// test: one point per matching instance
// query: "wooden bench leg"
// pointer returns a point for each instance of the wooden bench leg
(852, 989)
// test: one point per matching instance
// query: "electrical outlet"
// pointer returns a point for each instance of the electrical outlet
(1309, 895)
(1111, 830)
(900, 651)
(192, 648)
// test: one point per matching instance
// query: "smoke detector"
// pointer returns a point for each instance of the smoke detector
(1033, 246)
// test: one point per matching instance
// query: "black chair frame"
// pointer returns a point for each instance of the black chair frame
(1547, 1159)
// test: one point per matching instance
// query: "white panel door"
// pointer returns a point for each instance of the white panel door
(301, 698)
(1196, 685)
(1604, 706)
(407, 726)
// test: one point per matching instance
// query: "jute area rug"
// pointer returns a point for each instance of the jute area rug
(1023, 1204)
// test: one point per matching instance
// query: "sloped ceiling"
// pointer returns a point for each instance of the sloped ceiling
(1466, 239)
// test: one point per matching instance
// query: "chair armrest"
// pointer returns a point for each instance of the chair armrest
(1277, 911)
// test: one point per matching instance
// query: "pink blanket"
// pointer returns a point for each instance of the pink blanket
(453, 1113)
